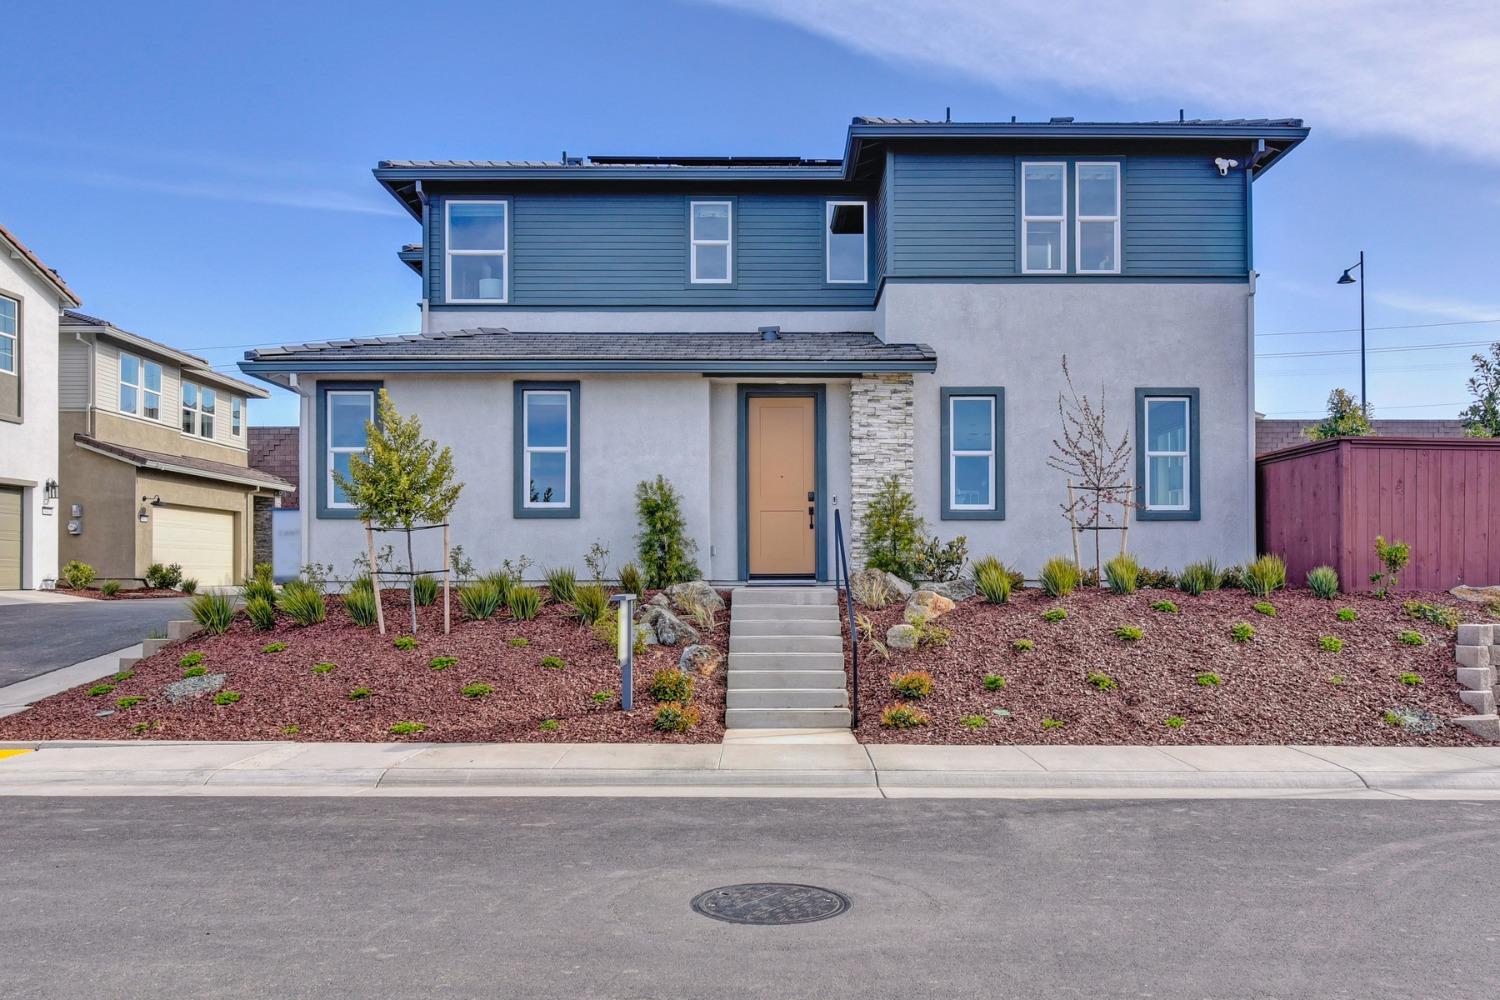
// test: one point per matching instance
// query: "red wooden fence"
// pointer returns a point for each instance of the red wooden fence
(1324, 503)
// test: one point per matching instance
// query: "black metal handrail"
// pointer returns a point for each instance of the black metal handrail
(841, 581)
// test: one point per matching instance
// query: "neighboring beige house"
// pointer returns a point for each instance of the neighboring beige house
(31, 298)
(154, 458)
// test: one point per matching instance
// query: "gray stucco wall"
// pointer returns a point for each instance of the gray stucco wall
(1118, 336)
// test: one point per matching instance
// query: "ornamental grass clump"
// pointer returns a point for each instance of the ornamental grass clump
(261, 612)
(561, 582)
(1122, 573)
(993, 580)
(590, 601)
(1196, 577)
(215, 612)
(903, 717)
(524, 602)
(359, 605)
(672, 685)
(914, 684)
(480, 600)
(260, 584)
(1323, 581)
(424, 590)
(302, 602)
(1265, 576)
(630, 579)
(109, 588)
(1059, 576)
(675, 717)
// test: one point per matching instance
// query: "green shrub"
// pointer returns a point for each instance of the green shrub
(1022, 645)
(665, 551)
(893, 530)
(1336, 680)
(360, 694)
(477, 690)
(1420, 610)
(1174, 722)
(195, 671)
(302, 602)
(554, 663)
(1165, 606)
(1242, 632)
(1128, 633)
(1331, 643)
(1347, 615)
(518, 642)
(227, 697)
(424, 590)
(903, 717)
(273, 647)
(189, 586)
(260, 584)
(159, 577)
(1410, 638)
(675, 717)
(607, 631)
(942, 561)
(109, 588)
(973, 722)
(77, 575)
(1393, 718)
(1059, 576)
(292, 729)
(1208, 679)
(191, 659)
(1156, 579)
(99, 690)
(405, 642)
(1323, 581)
(1197, 577)
(1051, 723)
(914, 684)
(590, 601)
(215, 612)
(324, 667)
(502, 582)
(552, 725)
(1411, 679)
(1393, 557)
(630, 580)
(993, 581)
(479, 600)
(561, 582)
(132, 700)
(441, 662)
(360, 605)
(1266, 575)
(260, 612)
(408, 728)
(601, 697)
(1054, 614)
(1102, 681)
(1265, 607)
(673, 685)
(1233, 578)
(1122, 573)
(994, 682)
(524, 602)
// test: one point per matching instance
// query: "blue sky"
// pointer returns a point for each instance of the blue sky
(200, 172)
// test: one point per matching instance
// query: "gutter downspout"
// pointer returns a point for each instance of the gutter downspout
(78, 336)
(1252, 501)
(426, 264)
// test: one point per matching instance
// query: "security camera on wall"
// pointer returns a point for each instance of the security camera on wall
(1225, 165)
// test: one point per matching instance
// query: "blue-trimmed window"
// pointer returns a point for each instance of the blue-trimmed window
(711, 241)
(846, 242)
(343, 411)
(1167, 454)
(973, 449)
(546, 449)
(477, 235)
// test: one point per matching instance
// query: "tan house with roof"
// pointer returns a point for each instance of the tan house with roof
(154, 457)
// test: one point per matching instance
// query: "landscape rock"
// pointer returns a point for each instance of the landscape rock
(955, 590)
(695, 592)
(1478, 595)
(927, 605)
(902, 636)
(703, 659)
(660, 600)
(193, 687)
(668, 628)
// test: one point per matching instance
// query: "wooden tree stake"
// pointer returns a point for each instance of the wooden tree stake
(374, 577)
(447, 613)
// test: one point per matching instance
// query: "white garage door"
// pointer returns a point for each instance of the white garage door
(201, 540)
(10, 539)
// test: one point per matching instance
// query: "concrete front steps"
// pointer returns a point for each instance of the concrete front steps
(786, 660)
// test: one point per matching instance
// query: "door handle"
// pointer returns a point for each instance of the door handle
(811, 521)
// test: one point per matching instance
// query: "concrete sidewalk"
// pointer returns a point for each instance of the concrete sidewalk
(747, 769)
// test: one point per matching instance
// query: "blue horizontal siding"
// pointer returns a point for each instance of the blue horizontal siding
(952, 214)
(1182, 218)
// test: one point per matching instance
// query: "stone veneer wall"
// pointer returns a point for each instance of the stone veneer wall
(881, 439)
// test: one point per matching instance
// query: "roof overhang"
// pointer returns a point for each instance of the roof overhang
(183, 470)
(17, 250)
(267, 370)
(195, 368)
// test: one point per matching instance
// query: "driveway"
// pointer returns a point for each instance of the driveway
(42, 634)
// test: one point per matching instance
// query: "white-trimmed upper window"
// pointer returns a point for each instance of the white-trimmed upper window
(197, 410)
(1167, 436)
(1097, 233)
(236, 408)
(711, 235)
(847, 251)
(1044, 214)
(350, 411)
(10, 311)
(971, 452)
(140, 387)
(547, 435)
(478, 251)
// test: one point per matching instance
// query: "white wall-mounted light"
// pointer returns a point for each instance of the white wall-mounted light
(1225, 165)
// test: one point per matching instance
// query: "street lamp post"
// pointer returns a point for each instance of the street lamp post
(1347, 279)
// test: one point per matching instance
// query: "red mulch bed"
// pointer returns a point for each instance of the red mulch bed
(1275, 688)
(280, 690)
(124, 595)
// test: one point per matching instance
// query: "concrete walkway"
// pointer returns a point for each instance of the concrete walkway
(745, 768)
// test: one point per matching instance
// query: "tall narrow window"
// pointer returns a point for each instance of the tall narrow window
(205, 413)
(1044, 212)
(348, 412)
(10, 311)
(235, 407)
(711, 238)
(1167, 463)
(546, 449)
(189, 408)
(478, 251)
(1098, 218)
(973, 453)
(848, 253)
(197, 410)
(130, 383)
(151, 390)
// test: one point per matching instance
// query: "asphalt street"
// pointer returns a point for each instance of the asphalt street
(589, 898)
(38, 637)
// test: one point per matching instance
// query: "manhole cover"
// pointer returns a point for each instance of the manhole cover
(770, 903)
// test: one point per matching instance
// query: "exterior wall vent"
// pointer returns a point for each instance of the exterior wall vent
(770, 333)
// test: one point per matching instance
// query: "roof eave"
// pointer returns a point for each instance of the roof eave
(280, 486)
(190, 366)
(265, 370)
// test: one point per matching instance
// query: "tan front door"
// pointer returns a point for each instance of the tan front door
(782, 480)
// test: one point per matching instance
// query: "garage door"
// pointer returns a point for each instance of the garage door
(10, 539)
(201, 540)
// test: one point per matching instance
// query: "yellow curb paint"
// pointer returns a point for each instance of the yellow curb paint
(14, 753)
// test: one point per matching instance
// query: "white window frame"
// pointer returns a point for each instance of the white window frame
(449, 253)
(864, 258)
(1079, 218)
(139, 385)
(332, 449)
(236, 414)
(1186, 453)
(694, 243)
(1062, 220)
(954, 454)
(14, 337)
(565, 449)
(201, 417)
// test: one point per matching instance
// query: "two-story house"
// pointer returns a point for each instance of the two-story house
(777, 336)
(31, 298)
(154, 458)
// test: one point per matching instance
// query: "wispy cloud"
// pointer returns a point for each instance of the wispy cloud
(254, 193)
(1430, 306)
(1390, 68)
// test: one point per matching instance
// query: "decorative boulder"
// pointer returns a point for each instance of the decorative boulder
(695, 592)
(669, 629)
(900, 587)
(955, 590)
(1477, 595)
(902, 637)
(865, 584)
(927, 605)
(703, 659)
(660, 601)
